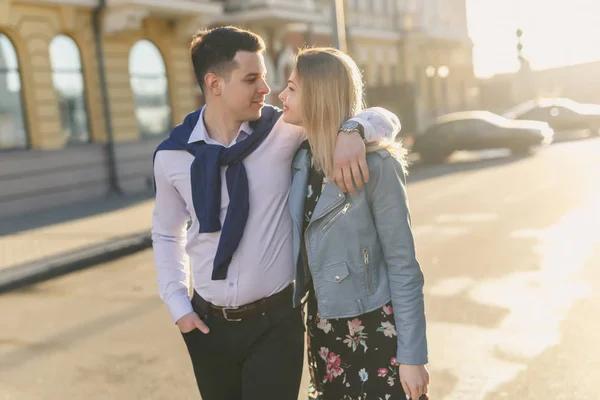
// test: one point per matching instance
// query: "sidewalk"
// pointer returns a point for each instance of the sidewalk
(44, 244)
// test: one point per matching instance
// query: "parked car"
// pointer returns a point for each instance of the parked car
(478, 130)
(561, 114)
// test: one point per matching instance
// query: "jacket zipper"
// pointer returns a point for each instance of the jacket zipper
(368, 270)
(306, 234)
(342, 211)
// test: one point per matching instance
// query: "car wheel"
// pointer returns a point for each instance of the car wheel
(521, 150)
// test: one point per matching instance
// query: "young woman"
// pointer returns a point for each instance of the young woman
(366, 320)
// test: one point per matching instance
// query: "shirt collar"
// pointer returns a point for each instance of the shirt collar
(199, 133)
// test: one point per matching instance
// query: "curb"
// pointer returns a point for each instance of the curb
(37, 271)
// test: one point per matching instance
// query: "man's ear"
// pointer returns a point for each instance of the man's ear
(213, 84)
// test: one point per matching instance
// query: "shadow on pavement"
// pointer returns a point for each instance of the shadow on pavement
(38, 219)
(419, 171)
(30, 351)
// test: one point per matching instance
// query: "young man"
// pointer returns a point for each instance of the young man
(227, 169)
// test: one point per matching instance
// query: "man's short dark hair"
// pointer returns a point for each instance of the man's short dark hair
(213, 50)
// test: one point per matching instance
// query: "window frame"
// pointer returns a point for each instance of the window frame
(167, 93)
(84, 93)
(22, 100)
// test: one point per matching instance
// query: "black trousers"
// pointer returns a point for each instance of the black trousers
(256, 359)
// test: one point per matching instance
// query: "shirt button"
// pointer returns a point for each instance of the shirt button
(339, 195)
(337, 278)
(231, 284)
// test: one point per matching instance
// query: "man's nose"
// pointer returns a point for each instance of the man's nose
(264, 88)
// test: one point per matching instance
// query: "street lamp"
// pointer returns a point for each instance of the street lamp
(520, 47)
(339, 24)
(430, 71)
(443, 71)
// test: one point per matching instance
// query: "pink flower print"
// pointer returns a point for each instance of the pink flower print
(324, 325)
(334, 360)
(355, 326)
(388, 310)
(354, 341)
(382, 372)
(334, 367)
(357, 336)
(388, 329)
(393, 361)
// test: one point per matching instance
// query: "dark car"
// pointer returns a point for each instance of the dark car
(561, 114)
(479, 130)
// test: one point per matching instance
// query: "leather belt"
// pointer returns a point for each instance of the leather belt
(251, 310)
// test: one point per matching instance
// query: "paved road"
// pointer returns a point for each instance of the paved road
(511, 252)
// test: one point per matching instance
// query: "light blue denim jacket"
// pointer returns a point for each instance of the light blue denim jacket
(361, 250)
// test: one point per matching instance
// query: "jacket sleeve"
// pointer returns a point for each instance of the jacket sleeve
(378, 123)
(389, 205)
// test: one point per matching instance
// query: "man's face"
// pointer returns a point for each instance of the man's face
(243, 94)
(291, 96)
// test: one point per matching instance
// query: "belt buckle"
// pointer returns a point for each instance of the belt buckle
(224, 312)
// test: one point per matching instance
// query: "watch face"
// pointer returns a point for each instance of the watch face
(350, 126)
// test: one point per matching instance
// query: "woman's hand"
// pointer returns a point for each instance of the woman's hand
(414, 380)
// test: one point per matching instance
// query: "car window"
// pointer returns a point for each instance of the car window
(538, 114)
(473, 125)
(562, 112)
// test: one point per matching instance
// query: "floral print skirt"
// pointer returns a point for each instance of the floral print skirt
(353, 358)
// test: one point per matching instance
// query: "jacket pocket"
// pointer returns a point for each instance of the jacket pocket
(336, 289)
(336, 273)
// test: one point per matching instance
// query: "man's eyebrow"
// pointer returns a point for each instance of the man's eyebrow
(254, 74)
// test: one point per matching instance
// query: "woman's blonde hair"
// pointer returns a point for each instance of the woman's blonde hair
(332, 92)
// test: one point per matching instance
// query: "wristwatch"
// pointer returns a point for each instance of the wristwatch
(351, 126)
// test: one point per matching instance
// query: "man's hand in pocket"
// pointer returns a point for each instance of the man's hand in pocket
(191, 321)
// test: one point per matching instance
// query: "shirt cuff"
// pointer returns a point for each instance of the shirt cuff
(367, 128)
(378, 123)
(179, 306)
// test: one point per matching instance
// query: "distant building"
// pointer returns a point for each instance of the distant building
(579, 82)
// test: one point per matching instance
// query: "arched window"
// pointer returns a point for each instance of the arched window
(12, 119)
(67, 76)
(148, 77)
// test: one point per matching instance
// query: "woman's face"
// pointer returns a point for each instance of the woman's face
(291, 96)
